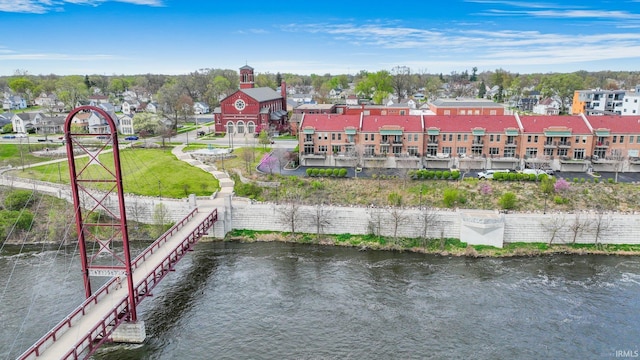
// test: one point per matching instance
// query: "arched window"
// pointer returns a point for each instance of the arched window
(240, 126)
(230, 127)
(251, 127)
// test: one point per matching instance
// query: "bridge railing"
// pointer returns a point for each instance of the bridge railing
(161, 240)
(167, 264)
(64, 325)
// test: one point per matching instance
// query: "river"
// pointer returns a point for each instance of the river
(292, 301)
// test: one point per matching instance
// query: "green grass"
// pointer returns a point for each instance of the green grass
(16, 154)
(149, 172)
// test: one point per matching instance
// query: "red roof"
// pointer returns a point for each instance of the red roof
(616, 124)
(465, 123)
(409, 123)
(330, 122)
(538, 123)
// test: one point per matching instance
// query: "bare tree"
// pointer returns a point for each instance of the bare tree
(554, 226)
(429, 219)
(375, 222)
(578, 227)
(248, 154)
(600, 226)
(289, 212)
(399, 218)
(321, 219)
(160, 219)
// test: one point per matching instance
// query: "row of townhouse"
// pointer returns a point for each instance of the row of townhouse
(564, 143)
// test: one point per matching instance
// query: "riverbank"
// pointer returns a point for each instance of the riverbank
(441, 247)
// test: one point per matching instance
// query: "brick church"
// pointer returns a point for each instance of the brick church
(250, 109)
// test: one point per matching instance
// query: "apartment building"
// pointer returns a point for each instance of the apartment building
(597, 102)
(565, 143)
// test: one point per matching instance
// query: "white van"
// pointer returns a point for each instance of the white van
(488, 174)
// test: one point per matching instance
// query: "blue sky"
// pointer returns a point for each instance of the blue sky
(129, 37)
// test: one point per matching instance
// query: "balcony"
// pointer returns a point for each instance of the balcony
(602, 144)
(432, 142)
(314, 155)
(344, 155)
(406, 157)
(511, 144)
(564, 144)
(550, 145)
(374, 156)
(308, 142)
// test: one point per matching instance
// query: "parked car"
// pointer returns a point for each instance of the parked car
(8, 136)
(131, 138)
(200, 133)
(21, 135)
(488, 174)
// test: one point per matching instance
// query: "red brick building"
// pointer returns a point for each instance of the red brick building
(250, 110)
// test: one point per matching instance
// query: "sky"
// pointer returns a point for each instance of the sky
(129, 37)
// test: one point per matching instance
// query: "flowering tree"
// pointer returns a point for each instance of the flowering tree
(486, 191)
(561, 185)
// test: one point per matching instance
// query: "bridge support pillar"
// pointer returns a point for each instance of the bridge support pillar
(130, 333)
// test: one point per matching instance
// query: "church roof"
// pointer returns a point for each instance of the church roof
(262, 93)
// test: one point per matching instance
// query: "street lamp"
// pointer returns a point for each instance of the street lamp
(159, 190)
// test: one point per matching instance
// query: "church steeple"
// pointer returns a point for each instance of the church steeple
(246, 77)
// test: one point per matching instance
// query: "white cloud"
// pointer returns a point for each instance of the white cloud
(44, 6)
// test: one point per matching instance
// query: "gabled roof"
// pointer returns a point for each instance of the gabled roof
(464, 123)
(409, 123)
(262, 93)
(538, 123)
(615, 123)
(330, 122)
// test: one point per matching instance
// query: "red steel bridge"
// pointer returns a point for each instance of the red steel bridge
(114, 304)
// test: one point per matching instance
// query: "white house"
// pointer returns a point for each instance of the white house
(130, 106)
(200, 108)
(24, 121)
(126, 125)
(153, 107)
(547, 106)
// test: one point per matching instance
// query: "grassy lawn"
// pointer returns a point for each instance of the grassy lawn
(16, 154)
(149, 172)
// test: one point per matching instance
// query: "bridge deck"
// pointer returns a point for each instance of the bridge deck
(113, 298)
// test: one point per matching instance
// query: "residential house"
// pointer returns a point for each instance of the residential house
(547, 106)
(527, 104)
(24, 122)
(45, 100)
(130, 106)
(14, 102)
(51, 125)
(200, 108)
(95, 100)
(126, 124)
(153, 107)
(352, 100)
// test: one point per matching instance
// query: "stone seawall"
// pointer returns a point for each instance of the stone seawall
(472, 226)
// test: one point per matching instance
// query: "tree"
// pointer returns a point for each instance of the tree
(321, 219)
(172, 99)
(561, 85)
(402, 81)
(578, 227)
(376, 86)
(547, 187)
(554, 226)
(600, 226)
(508, 201)
(289, 213)
(263, 138)
(71, 90)
(429, 219)
(146, 123)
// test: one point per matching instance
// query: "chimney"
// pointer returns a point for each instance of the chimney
(283, 93)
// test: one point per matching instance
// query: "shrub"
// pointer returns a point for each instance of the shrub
(438, 174)
(446, 174)
(10, 219)
(507, 201)
(560, 200)
(18, 199)
(309, 172)
(455, 175)
(249, 190)
(317, 185)
(498, 176)
(336, 172)
(596, 181)
(533, 177)
(512, 176)
(342, 172)
(451, 196)
(315, 172)
(561, 185)
(575, 180)
(610, 180)
(395, 199)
